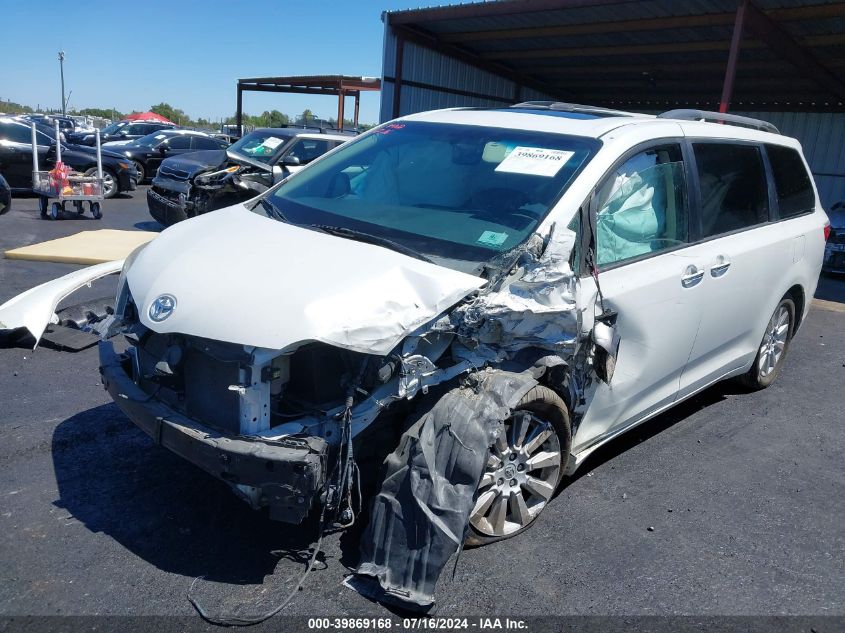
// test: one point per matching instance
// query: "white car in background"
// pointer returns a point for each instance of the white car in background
(484, 296)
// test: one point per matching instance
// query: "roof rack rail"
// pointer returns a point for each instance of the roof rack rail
(569, 107)
(719, 117)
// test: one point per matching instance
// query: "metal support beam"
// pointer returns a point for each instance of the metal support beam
(733, 57)
(812, 12)
(483, 9)
(239, 112)
(357, 106)
(397, 72)
(782, 44)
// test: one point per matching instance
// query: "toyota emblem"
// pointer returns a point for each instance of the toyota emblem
(162, 307)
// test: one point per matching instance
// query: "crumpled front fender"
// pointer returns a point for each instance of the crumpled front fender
(35, 309)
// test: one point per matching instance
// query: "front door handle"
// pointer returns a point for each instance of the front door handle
(692, 276)
(718, 271)
(720, 267)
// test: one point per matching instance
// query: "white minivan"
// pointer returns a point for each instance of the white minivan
(478, 298)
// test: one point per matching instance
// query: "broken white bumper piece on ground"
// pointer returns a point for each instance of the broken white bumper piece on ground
(35, 309)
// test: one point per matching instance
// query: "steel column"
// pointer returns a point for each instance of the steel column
(341, 97)
(357, 106)
(397, 73)
(733, 57)
(239, 111)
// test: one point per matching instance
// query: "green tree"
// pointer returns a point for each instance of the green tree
(103, 113)
(169, 112)
(10, 107)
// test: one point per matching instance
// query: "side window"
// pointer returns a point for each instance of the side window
(734, 195)
(794, 189)
(307, 149)
(642, 206)
(202, 142)
(182, 141)
(16, 133)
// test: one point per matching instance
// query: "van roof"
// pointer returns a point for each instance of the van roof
(591, 122)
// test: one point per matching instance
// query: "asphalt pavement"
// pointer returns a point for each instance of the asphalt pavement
(730, 504)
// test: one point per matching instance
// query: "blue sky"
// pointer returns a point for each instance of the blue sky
(189, 53)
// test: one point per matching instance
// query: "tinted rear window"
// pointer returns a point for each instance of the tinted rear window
(795, 191)
(734, 193)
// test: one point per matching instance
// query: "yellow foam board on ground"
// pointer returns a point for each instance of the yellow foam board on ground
(87, 247)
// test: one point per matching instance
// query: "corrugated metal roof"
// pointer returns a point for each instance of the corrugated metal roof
(646, 35)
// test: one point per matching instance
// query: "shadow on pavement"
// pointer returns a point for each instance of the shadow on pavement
(113, 479)
(152, 225)
(831, 287)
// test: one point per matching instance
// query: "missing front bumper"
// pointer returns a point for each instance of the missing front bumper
(288, 473)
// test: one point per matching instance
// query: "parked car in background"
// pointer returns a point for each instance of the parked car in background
(149, 151)
(120, 131)
(16, 159)
(5, 195)
(834, 254)
(192, 184)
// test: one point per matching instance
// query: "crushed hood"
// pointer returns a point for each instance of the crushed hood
(243, 278)
(197, 162)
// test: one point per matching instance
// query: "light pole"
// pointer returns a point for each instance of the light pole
(62, 70)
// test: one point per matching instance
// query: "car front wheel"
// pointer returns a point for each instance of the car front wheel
(524, 468)
(773, 347)
(142, 174)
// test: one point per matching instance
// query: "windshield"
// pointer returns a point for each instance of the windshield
(114, 127)
(460, 192)
(261, 145)
(150, 140)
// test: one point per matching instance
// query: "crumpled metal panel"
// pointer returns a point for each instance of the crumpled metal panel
(533, 307)
(35, 309)
(420, 516)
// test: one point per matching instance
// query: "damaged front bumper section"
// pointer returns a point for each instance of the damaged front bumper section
(285, 474)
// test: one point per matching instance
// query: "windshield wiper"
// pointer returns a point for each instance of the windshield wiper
(360, 236)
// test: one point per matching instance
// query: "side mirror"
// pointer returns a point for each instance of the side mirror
(291, 161)
(162, 149)
(606, 340)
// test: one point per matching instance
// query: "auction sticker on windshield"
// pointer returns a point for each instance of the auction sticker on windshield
(272, 142)
(535, 161)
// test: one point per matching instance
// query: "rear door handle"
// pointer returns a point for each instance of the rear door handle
(720, 267)
(692, 276)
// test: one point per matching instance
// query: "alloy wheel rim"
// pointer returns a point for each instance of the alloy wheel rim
(108, 184)
(774, 341)
(520, 477)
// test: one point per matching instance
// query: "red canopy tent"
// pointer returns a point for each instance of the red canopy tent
(147, 116)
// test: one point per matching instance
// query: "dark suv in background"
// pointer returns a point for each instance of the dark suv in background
(192, 184)
(149, 151)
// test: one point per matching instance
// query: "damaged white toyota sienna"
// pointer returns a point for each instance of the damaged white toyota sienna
(476, 298)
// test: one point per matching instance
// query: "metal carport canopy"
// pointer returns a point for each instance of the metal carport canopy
(773, 55)
(341, 86)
